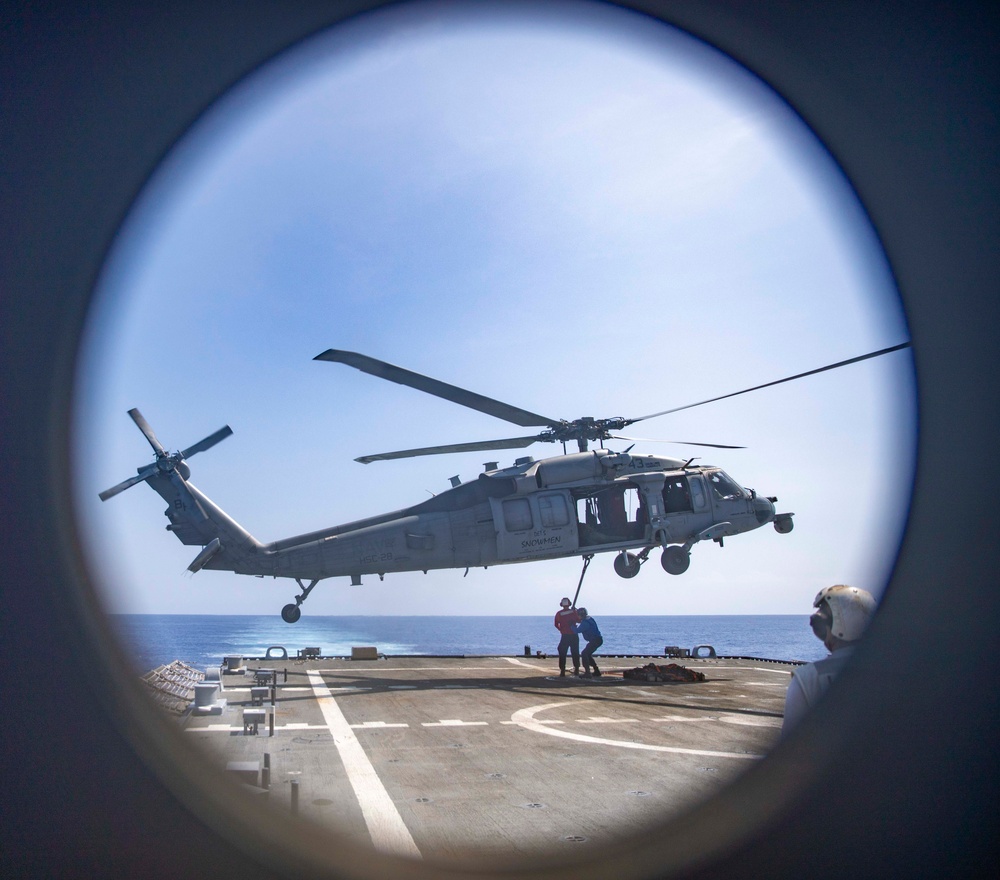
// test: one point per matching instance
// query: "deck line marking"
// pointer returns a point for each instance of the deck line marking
(378, 670)
(416, 670)
(518, 662)
(375, 725)
(526, 718)
(228, 728)
(750, 721)
(386, 827)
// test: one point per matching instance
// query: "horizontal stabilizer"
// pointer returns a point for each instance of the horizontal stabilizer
(207, 553)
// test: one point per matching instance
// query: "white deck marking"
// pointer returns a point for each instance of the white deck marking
(526, 718)
(228, 728)
(603, 719)
(417, 670)
(386, 827)
(518, 662)
(750, 721)
(370, 725)
(454, 722)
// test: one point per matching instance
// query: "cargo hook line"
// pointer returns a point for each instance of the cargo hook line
(586, 563)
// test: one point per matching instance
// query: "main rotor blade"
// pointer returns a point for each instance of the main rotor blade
(487, 405)
(853, 360)
(512, 443)
(678, 442)
(147, 431)
(208, 442)
(126, 484)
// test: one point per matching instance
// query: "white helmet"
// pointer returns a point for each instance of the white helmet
(850, 610)
(565, 602)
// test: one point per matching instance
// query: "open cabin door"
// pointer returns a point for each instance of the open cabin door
(615, 514)
(532, 526)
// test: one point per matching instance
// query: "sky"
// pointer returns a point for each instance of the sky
(577, 211)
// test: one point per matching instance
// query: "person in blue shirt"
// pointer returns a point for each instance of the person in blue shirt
(587, 627)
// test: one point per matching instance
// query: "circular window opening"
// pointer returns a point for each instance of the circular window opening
(578, 212)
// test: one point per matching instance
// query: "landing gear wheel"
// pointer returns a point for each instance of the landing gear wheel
(675, 560)
(291, 613)
(627, 565)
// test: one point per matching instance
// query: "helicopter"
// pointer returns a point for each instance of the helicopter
(578, 503)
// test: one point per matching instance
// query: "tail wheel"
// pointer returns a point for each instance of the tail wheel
(627, 565)
(675, 560)
(291, 613)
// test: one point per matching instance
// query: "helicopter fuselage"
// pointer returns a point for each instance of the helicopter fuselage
(572, 505)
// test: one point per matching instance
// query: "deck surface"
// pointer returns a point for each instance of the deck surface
(494, 757)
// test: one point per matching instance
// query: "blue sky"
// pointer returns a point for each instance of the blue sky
(579, 212)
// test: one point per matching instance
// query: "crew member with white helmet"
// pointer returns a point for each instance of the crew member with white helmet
(842, 614)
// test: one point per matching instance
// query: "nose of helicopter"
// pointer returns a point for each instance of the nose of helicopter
(763, 508)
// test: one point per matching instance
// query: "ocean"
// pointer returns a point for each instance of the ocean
(203, 640)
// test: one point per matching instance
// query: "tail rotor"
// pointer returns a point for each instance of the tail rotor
(166, 463)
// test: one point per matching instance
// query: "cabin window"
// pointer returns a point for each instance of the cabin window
(517, 514)
(553, 511)
(724, 487)
(676, 495)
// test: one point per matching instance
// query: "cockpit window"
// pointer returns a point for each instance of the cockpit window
(724, 487)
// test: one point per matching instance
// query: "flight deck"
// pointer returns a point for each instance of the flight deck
(458, 758)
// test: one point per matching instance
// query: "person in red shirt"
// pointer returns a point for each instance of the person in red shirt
(566, 621)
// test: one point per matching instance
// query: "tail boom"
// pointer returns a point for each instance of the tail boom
(197, 521)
